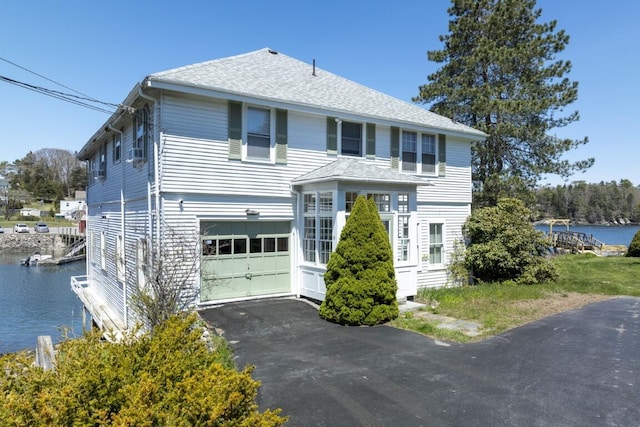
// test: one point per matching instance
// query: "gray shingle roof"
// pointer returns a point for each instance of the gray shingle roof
(358, 170)
(268, 75)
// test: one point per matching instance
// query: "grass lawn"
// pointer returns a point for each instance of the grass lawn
(498, 307)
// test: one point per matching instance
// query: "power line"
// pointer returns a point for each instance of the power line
(46, 78)
(73, 99)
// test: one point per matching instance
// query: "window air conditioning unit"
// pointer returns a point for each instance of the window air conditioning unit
(99, 174)
(136, 155)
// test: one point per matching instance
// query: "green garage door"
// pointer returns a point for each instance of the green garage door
(244, 259)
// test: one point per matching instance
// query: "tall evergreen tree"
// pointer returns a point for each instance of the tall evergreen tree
(500, 75)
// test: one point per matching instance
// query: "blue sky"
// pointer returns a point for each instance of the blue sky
(102, 49)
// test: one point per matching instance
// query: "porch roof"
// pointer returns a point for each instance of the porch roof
(357, 170)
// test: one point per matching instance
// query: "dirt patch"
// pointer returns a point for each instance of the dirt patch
(536, 309)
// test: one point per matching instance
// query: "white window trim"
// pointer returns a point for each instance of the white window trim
(392, 216)
(272, 134)
(442, 265)
(90, 247)
(318, 215)
(363, 139)
(120, 273)
(103, 250)
(141, 263)
(419, 170)
(116, 147)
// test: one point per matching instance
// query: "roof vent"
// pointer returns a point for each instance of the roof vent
(271, 51)
(313, 73)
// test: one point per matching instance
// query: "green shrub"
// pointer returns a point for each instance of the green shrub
(360, 277)
(506, 246)
(167, 377)
(634, 246)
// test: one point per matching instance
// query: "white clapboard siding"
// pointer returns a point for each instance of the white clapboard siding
(103, 281)
(455, 186)
(453, 216)
(194, 117)
(227, 207)
(202, 165)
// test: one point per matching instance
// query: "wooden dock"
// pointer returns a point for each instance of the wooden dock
(76, 244)
(576, 242)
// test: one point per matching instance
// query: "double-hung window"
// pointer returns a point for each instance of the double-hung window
(409, 151)
(428, 153)
(258, 133)
(103, 159)
(436, 255)
(94, 166)
(103, 251)
(351, 139)
(141, 263)
(116, 141)
(418, 152)
(140, 134)
(120, 258)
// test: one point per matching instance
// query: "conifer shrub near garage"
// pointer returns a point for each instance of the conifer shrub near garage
(168, 377)
(634, 246)
(360, 277)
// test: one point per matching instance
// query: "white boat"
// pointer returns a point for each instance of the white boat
(34, 259)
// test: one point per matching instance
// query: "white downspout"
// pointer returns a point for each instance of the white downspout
(296, 253)
(122, 224)
(155, 172)
(156, 157)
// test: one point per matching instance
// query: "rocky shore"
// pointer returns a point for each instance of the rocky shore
(27, 243)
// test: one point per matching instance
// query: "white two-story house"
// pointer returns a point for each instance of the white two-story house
(263, 156)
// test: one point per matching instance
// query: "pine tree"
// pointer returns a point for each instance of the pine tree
(634, 246)
(360, 277)
(501, 76)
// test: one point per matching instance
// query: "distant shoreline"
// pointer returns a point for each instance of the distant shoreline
(589, 224)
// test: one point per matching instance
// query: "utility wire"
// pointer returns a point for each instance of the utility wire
(46, 78)
(73, 99)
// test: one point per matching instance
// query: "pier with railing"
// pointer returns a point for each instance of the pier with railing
(576, 242)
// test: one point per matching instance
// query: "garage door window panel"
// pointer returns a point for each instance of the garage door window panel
(245, 259)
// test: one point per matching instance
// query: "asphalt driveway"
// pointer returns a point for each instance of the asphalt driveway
(579, 368)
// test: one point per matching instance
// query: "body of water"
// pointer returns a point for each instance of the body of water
(36, 301)
(609, 234)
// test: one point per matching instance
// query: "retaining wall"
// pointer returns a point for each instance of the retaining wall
(30, 242)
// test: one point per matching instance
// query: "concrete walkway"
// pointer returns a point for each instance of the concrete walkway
(579, 368)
